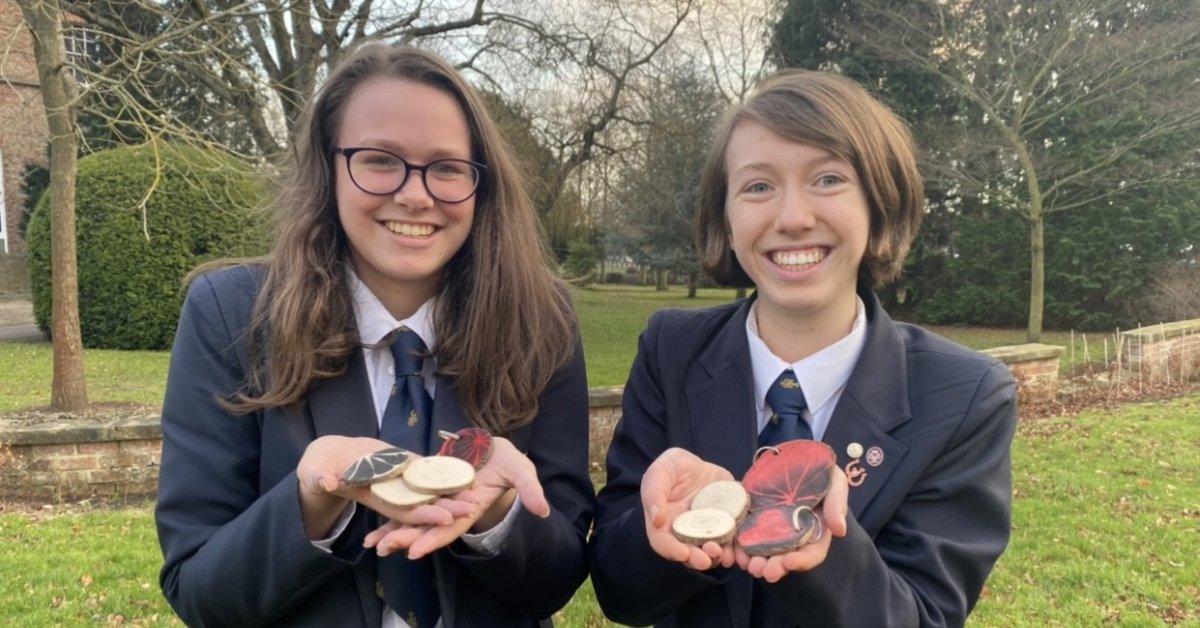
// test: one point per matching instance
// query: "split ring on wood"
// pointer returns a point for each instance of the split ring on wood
(760, 451)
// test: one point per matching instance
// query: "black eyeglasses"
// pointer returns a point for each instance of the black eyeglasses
(383, 173)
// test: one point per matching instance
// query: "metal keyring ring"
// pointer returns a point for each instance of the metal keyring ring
(760, 450)
(816, 520)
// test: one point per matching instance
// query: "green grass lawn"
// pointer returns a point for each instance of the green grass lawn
(1106, 530)
(611, 318)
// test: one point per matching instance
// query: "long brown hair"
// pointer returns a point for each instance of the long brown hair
(503, 321)
(837, 114)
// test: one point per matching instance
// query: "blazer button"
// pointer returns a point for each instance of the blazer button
(379, 589)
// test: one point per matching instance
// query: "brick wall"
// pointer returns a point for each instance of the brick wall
(71, 459)
(23, 134)
(1034, 366)
(1163, 353)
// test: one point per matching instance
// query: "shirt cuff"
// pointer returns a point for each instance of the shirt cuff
(488, 542)
(339, 526)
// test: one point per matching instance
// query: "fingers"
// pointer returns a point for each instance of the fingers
(742, 558)
(656, 486)
(837, 504)
(712, 549)
(525, 480)
(399, 539)
(698, 560)
(374, 536)
(666, 545)
(457, 507)
(755, 565)
(435, 538)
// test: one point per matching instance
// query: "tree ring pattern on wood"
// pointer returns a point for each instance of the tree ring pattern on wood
(727, 495)
(697, 527)
(398, 493)
(439, 475)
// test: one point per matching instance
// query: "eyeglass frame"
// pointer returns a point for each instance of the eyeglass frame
(409, 168)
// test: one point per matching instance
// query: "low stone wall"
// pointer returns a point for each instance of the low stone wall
(604, 411)
(1163, 353)
(1035, 367)
(71, 458)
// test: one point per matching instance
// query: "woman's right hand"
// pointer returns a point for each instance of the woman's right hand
(323, 496)
(668, 486)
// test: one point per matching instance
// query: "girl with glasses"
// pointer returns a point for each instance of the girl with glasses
(810, 194)
(407, 293)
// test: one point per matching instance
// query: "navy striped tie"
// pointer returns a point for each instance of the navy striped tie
(408, 586)
(786, 399)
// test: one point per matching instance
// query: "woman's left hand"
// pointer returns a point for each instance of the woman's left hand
(833, 513)
(507, 474)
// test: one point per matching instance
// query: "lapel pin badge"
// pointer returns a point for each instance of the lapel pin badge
(854, 450)
(855, 475)
(875, 456)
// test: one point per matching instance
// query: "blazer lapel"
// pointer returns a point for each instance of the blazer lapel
(721, 400)
(874, 403)
(344, 405)
(448, 414)
(723, 421)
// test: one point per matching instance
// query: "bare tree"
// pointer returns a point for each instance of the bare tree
(1118, 75)
(44, 17)
(731, 36)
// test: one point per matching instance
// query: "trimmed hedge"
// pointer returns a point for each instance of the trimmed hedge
(202, 207)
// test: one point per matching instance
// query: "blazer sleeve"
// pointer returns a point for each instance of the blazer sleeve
(543, 561)
(928, 564)
(635, 585)
(235, 553)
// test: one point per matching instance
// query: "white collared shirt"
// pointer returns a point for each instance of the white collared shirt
(374, 324)
(822, 375)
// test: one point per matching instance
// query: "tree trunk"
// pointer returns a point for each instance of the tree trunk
(693, 279)
(1037, 278)
(660, 280)
(68, 388)
(1037, 242)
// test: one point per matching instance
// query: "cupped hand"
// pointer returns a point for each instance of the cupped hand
(507, 474)
(668, 486)
(323, 496)
(832, 511)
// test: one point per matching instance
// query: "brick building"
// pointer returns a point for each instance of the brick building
(23, 139)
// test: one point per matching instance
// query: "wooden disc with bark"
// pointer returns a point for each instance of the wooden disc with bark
(697, 527)
(398, 493)
(439, 475)
(727, 495)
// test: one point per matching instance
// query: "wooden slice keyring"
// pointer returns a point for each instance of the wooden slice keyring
(439, 475)
(727, 495)
(381, 465)
(697, 527)
(398, 493)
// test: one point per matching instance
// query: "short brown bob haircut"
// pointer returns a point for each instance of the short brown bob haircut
(838, 115)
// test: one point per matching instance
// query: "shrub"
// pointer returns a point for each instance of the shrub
(197, 208)
(34, 181)
(582, 258)
(614, 278)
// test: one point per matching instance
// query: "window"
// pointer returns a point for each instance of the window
(81, 48)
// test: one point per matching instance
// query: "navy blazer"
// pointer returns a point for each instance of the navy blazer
(228, 509)
(925, 527)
